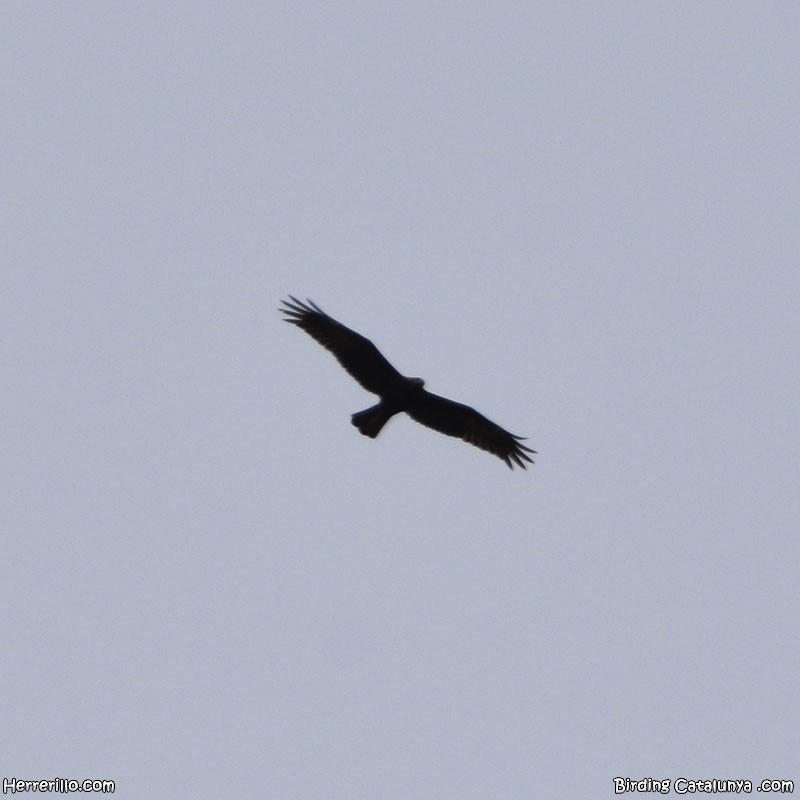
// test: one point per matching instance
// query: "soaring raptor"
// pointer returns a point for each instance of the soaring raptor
(359, 356)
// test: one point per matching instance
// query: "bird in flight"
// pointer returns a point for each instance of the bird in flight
(359, 356)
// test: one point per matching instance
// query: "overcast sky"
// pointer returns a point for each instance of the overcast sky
(580, 218)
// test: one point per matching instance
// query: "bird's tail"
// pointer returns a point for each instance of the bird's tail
(371, 420)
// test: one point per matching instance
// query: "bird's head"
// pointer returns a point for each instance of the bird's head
(417, 383)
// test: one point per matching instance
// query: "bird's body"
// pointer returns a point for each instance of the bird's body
(359, 356)
(371, 420)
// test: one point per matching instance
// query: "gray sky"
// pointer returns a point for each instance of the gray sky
(580, 218)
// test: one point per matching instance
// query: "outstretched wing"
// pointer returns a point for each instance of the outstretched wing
(455, 419)
(354, 352)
